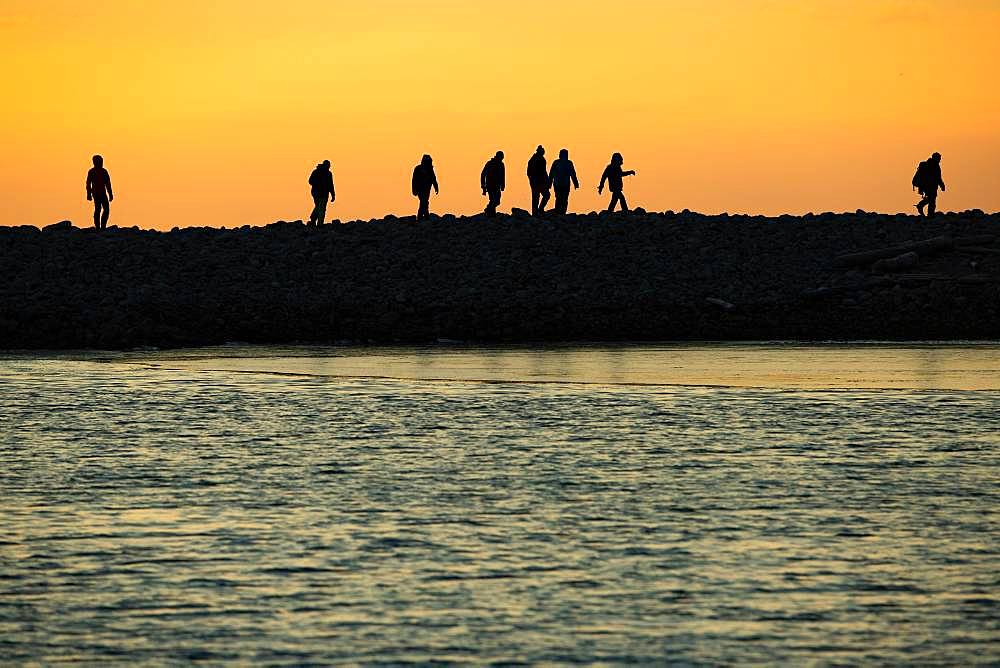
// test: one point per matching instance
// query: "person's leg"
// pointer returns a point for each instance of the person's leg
(545, 200)
(321, 211)
(315, 212)
(491, 208)
(535, 196)
(931, 204)
(102, 209)
(562, 200)
(621, 198)
(424, 209)
(613, 202)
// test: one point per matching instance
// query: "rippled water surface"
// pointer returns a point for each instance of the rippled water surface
(692, 504)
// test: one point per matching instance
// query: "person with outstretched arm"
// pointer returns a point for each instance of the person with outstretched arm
(613, 175)
(99, 190)
(561, 175)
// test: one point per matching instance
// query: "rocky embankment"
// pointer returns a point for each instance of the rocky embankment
(640, 276)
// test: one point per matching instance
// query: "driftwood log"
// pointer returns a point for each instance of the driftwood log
(904, 261)
(921, 248)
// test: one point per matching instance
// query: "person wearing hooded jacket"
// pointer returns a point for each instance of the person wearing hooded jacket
(613, 175)
(321, 182)
(561, 175)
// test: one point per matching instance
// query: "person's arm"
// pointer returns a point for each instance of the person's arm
(90, 185)
(941, 182)
(434, 182)
(107, 179)
(333, 191)
(630, 172)
(572, 173)
(604, 177)
(482, 177)
(503, 177)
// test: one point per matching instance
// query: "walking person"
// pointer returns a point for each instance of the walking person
(538, 179)
(493, 180)
(99, 190)
(927, 180)
(321, 181)
(613, 174)
(423, 180)
(561, 175)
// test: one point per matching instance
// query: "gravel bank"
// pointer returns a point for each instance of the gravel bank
(638, 276)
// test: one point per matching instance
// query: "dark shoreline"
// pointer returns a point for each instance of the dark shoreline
(514, 279)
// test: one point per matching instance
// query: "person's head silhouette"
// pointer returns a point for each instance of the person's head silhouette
(564, 154)
(617, 158)
(936, 157)
(499, 155)
(98, 161)
(326, 164)
(540, 150)
(426, 161)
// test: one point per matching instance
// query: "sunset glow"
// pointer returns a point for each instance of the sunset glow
(215, 113)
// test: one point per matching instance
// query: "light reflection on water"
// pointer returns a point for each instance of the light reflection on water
(252, 504)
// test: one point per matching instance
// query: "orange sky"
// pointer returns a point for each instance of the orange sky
(214, 113)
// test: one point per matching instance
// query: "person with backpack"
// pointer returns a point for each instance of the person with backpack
(926, 180)
(423, 180)
(562, 173)
(493, 180)
(321, 182)
(613, 175)
(538, 179)
(99, 190)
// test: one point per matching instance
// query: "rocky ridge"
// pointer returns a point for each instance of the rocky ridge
(588, 277)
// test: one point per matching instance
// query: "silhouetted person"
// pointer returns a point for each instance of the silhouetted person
(562, 173)
(493, 180)
(321, 181)
(423, 179)
(926, 181)
(99, 190)
(613, 175)
(538, 179)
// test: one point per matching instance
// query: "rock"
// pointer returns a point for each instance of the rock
(61, 225)
(520, 213)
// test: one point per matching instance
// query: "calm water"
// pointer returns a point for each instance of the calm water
(694, 504)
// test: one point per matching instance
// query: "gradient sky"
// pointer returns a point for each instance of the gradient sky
(214, 113)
